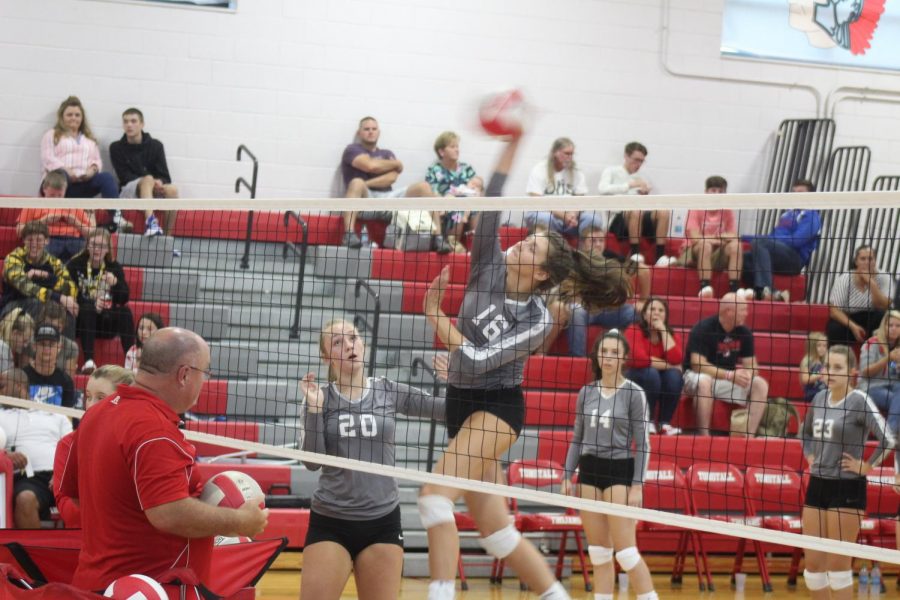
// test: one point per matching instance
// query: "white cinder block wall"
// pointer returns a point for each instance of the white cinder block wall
(291, 78)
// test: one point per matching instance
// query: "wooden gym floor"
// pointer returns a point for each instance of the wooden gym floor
(282, 582)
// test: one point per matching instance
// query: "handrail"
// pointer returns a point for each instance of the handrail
(245, 259)
(301, 254)
(373, 344)
(417, 363)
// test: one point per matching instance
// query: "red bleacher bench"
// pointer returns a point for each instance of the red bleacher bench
(686, 450)
(290, 523)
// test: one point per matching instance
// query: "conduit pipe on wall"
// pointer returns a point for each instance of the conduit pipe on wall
(664, 56)
(863, 94)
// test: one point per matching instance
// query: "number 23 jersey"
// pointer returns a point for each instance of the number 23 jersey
(831, 430)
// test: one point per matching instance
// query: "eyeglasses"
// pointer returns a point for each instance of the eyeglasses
(207, 374)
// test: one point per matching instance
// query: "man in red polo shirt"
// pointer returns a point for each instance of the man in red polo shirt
(133, 473)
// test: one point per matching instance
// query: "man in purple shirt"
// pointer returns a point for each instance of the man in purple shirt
(370, 172)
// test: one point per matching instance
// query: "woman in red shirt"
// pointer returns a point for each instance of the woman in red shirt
(655, 365)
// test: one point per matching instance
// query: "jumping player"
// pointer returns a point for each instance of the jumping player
(834, 435)
(611, 416)
(501, 322)
(354, 523)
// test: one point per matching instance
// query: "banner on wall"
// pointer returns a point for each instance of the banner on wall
(853, 33)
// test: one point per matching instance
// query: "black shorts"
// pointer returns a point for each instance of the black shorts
(355, 536)
(648, 226)
(828, 493)
(39, 484)
(603, 472)
(507, 404)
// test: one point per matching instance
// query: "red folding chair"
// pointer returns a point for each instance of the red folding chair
(717, 492)
(665, 489)
(777, 496)
(547, 474)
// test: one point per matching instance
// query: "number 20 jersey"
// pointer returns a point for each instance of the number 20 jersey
(363, 430)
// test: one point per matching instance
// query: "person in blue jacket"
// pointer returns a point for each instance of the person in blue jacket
(784, 251)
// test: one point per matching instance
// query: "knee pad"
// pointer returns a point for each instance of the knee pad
(434, 510)
(815, 581)
(600, 555)
(502, 542)
(839, 580)
(628, 558)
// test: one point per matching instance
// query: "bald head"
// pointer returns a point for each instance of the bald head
(732, 311)
(169, 348)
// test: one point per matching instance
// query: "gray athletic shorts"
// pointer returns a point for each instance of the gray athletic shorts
(723, 390)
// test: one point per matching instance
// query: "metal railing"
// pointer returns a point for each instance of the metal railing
(419, 363)
(251, 187)
(301, 254)
(360, 322)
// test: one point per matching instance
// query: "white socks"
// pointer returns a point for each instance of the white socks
(555, 592)
(442, 590)
(648, 596)
(603, 597)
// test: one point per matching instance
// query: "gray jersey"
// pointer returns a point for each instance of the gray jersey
(362, 430)
(829, 431)
(608, 427)
(500, 333)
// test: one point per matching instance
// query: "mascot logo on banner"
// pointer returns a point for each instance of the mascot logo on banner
(848, 24)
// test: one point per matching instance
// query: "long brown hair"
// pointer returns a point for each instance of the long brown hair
(596, 282)
(644, 324)
(60, 130)
(612, 334)
(559, 144)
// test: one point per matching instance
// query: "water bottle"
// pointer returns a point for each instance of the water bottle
(863, 578)
(364, 236)
(875, 581)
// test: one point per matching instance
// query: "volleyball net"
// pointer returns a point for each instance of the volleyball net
(265, 281)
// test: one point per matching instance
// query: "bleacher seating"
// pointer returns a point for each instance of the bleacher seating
(253, 394)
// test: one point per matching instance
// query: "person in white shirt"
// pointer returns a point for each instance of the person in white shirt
(635, 224)
(559, 176)
(31, 438)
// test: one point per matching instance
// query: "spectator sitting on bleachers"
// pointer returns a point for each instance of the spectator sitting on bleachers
(879, 376)
(140, 164)
(71, 146)
(712, 372)
(635, 224)
(47, 383)
(54, 314)
(102, 297)
(858, 300)
(449, 177)
(558, 175)
(655, 362)
(593, 243)
(102, 383)
(147, 325)
(32, 277)
(712, 242)
(31, 439)
(370, 172)
(785, 251)
(812, 377)
(16, 329)
(68, 226)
